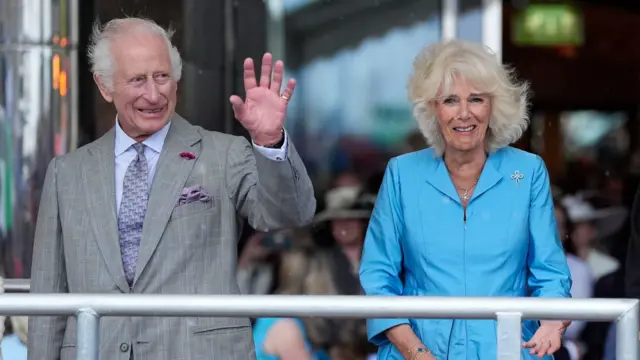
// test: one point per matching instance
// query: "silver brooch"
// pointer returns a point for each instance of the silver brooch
(517, 176)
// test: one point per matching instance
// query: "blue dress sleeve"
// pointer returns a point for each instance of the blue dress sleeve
(381, 263)
(549, 274)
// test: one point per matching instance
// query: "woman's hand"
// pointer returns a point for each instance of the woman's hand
(409, 345)
(548, 339)
(423, 356)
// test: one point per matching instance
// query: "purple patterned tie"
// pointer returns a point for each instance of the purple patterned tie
(132, 210)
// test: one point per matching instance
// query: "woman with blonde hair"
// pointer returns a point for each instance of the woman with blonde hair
(468, 216)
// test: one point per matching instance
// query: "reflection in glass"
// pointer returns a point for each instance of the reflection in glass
(293, 5)
(588, 131)
(37, 113)
(359, 93)
(470, 25)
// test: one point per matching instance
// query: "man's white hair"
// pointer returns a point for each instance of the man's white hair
(100, 51)
(435, 69)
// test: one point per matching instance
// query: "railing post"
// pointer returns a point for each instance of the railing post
(509, 336)
(87, 334)
(627, 335)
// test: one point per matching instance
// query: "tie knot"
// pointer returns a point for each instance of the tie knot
(139, 148)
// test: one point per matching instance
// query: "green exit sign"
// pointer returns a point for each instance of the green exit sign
(548, 25)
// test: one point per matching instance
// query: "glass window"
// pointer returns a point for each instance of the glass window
(594, 132)
(293, 5)
(470, 20)
(351, 108)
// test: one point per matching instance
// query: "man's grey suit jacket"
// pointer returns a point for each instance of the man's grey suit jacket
(188, 249)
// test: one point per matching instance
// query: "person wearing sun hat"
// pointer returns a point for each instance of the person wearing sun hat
(340, 231)
(344, 220)
(591, 224)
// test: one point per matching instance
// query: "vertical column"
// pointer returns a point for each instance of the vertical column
(449, 19)
(87, 335)
(202, 96)
(250, 41)
(509, 336)
(74, 83)
(553, 154)
(276, 37)
(492, 26)
(86, 97)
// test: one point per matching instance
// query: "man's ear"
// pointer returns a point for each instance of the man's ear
(106, 94)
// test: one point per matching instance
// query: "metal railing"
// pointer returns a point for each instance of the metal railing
(16, 285)
(509, 312)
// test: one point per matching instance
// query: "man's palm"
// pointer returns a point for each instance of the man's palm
(263, 111)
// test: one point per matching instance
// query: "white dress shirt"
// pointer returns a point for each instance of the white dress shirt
(601, 264)
(125, 154)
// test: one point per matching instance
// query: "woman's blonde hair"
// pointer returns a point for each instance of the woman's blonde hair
(435, 70)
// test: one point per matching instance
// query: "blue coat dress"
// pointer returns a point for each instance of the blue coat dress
(418, 244)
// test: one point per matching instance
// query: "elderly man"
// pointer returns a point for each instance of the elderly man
(152, 207)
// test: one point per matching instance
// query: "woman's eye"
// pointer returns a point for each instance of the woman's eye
(449, 101)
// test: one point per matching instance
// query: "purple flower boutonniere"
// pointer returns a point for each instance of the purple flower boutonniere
(187, 155)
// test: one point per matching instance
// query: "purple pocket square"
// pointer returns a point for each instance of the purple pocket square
(192, 194)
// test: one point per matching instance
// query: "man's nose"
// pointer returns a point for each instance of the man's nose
(152, 94)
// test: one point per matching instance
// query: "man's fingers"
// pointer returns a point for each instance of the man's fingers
(265, 71)
(238, 106)
(278, 75)
(249, 76)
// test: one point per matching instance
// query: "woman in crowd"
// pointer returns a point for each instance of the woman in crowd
(301, 273)
(588, 225)
(341, 228)
(469, 216)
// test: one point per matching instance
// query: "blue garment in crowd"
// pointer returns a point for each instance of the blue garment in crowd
(261, 329)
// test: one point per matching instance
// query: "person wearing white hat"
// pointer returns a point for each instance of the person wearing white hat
(347, 212)
(590, 224)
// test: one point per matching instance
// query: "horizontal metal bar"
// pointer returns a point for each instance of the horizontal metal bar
(325, 306)
(16, 285)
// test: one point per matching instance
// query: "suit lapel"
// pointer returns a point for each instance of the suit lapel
(169, 180)
(98, 174)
